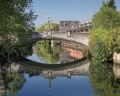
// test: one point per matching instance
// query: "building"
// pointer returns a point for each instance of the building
(85, 26)
(75, 26)
(67, 25)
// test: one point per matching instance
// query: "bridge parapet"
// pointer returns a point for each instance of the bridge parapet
(79, 37)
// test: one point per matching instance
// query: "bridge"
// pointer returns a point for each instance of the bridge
(72, 31)
(82, 37)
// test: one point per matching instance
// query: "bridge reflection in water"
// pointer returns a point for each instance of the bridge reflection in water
(116, 69)
(74, 50)
(52, 72)
(79, 68)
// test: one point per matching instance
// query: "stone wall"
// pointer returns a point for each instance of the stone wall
(116, 57)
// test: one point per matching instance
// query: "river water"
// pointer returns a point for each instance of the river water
(59, 68)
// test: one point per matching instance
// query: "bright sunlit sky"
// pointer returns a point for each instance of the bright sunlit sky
(59, 10)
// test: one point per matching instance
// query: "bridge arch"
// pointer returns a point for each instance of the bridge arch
(82, 37)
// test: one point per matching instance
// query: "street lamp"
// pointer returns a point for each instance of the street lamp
(49, 27)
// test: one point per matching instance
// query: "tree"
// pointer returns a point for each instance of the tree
(98, 48)
(45, 27)
(111, 4)
(105, 22)
(112, 38)
(41, 28)
(106, 18)
(16, 23)
(55, 27)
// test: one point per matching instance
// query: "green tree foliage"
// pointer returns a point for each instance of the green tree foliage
(97, 45)
(55, 27)
(16, 23)
(41, 28)
(112, 38)
(111, 4)
(45, 27)
(16, 50)
(104, 36)
(106, 18)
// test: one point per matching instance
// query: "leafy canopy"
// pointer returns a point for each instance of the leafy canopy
(105, 33)
(45, 27)
(106, 18)
(16, 23)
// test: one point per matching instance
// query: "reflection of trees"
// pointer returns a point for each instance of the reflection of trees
(50, 52)
(14, 82)
(103, 79)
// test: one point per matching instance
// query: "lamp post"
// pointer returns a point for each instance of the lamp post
(49, 27)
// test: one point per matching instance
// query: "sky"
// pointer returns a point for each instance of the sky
(66, 10)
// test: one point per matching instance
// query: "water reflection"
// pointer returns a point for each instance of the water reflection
(56, 52)
(103, 79)
(116, 69)
(13, 82)
(48, 50)
(28, 78)
(72, 80)
(17, 78)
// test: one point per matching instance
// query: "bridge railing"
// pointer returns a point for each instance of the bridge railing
(79, 37)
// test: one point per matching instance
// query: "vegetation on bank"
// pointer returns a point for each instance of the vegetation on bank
(105, 34)
(16, 25)
(45, 27)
